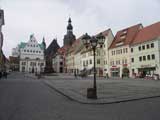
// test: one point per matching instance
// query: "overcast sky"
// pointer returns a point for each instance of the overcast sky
(49, 18)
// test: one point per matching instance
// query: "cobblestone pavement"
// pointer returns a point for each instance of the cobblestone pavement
(27, 98)
(109, 91)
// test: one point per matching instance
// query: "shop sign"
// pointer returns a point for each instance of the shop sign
(144, 66)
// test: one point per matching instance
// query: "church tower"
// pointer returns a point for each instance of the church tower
(69, 38)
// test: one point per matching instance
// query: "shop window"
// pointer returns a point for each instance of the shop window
(153, 56)
(152, 45)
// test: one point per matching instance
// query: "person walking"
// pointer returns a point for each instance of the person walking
(75, 75)
(0, 74)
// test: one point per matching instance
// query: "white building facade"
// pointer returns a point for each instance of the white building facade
(32, 56)
(145, 52)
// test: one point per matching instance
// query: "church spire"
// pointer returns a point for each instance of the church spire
(69, 38)
(44, 43)
(69, 27)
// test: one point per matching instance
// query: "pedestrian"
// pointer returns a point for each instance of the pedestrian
(5, 74)
(0, 74)
(75, 75)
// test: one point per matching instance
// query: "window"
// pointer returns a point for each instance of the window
(140, 58)
(87, 62)
(83, 63)
(139, 48)
(90, 61)
(24, 50)
(27, 50)
(123, 50)
(125, 61)
(144, 58)
(147, 46)
(153, 56)
(23, 63)
(152, 45)
(118, 62)
(143, 47)
(30, 50)
(39, 51)
(131, 49)
(61, 63)
(126, 50)
(148, 57)
(132, 60)
(98, 61)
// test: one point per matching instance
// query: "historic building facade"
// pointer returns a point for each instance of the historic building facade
(102, 58)
(119, 51)
(145, 52)
(32, 56)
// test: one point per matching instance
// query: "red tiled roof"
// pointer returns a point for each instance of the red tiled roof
(147, 33)
(128, 35)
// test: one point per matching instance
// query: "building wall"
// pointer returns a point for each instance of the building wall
(32, 56)
(119, 58)
(32, 65)
(107, 43)
(148, 63)
(58, 63)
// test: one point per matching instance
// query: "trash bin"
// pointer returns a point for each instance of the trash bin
(91, 93)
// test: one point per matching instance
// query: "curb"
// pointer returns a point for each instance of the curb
(96, 103)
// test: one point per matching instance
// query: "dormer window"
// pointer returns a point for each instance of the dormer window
(122, 37)
(119, 43)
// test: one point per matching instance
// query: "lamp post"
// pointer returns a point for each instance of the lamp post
(92, 42)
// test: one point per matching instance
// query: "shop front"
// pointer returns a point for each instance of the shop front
(146, 70)
(115, 71)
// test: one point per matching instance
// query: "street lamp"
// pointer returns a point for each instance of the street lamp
(92, 42)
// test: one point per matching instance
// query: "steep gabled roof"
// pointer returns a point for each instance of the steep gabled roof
(125, 36)
(52, 48)
(147, 33)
